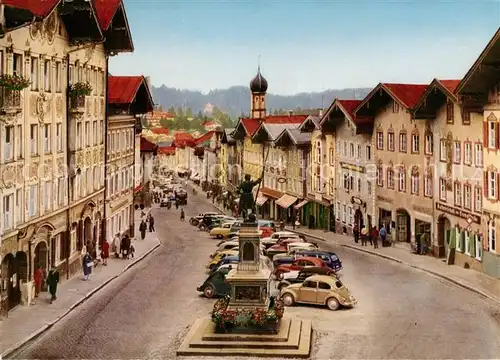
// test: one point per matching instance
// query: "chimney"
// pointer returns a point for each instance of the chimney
(148, 83)
(290, 113)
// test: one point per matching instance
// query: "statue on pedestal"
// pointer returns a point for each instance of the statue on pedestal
(246, 205)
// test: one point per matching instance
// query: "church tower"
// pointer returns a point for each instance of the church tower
(258, 87)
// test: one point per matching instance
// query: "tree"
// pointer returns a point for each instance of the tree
(166, 123)
(189, 113)
(180, 113)
(171, 110)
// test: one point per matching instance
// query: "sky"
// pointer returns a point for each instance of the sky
(304, 46)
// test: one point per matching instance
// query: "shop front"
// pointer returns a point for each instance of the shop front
(286, 210)
(300, 210)
(272, 196)
(319, 213)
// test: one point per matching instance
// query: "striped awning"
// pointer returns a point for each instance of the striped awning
(286, 201)
(300, 204)
(261, 199)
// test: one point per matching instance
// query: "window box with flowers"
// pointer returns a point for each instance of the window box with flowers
(10, 94)
(77, 93)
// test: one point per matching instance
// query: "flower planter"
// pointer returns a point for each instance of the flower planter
(272, 327)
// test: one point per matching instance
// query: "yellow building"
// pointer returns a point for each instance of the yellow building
(58, 201)
(227, 158)
(479, 93)
(404, 204)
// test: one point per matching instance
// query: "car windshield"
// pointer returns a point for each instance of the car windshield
(334, 257)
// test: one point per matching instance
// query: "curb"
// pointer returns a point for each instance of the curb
(427, 271)
(49, 325)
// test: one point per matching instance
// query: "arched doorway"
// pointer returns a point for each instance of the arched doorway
(403, 226)
(358, 219)
(444, 227)
(88, 236)
(10, 279)
(41, 256)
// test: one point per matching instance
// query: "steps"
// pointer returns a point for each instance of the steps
(292, 340)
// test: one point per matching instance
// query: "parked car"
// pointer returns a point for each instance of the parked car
(319, 290)
(330, 258)
(293, 277)
(280, 259)
(281, 246)
(219, 256)
(298, 265)
(267, 227)
(222, 231)
(231, 259)
(208, 220)
(194, 220)
(215, 284)
(226, 245)
(273, 239)
(297, 246)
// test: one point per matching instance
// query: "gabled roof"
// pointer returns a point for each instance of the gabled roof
(272, 131)
(204, 139)
(227, 138)
(148, 146)
(106, 10)
(182, 139)
(312, 121)
(484, 73)
(346, 108)
(407, 95)
(123, 90)
(435, 96)
(296, 136)
(39, 8)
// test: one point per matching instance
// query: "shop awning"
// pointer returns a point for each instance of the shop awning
(261, 199)
(300, 204)
(286, 201)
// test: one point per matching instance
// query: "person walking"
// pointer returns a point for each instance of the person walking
(374, 235)
(355, 232)
(126, 246)
(151, 223)
(183, 216)
(142, 229)
(383, 235)
(105, 253)
(87, 264)
(364, 235)
(116, 245)
(52, 281)
(38, 278)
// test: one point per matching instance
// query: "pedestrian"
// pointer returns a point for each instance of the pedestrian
(132, 251)
(374, 235)
(38, 278)
(151, 223)
(383, 235)
(87, 264)
(52, 281)
(182, 215)
(356, 234)
(142, 229)
(126, 246)
(105, 252)
(364, 235)
(176, 204)
(116, 245)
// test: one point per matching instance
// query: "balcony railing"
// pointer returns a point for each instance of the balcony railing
(77, 104)
(10, 100)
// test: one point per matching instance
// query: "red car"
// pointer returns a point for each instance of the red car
(281, 246)
(299, 264)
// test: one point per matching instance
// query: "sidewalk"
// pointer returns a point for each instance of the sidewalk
(466, 278)
(29, 321)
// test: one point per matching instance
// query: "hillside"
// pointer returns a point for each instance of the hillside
(236, 100)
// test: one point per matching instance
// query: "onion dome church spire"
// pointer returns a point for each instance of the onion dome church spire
(258, 83)
(258, 87)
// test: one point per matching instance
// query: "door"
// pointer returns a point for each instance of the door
(323, 292)
(307, 292)
(402, 228)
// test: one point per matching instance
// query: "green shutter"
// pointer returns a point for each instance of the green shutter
(472, 245)
(452, 244)
(462, 241)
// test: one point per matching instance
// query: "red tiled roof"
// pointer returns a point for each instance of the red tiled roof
(182, 139)
(39, 8)
(451, 85)
(147, 146)
(105, 11)
(203, 138)
(408, 94)
(122, 89)
(250, 125)
(167, 150)
(160, 131)
(349, 106)
(285, 119)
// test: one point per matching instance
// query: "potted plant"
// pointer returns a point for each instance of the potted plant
(77, 93)
(13, 82)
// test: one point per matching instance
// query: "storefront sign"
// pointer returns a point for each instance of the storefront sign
(459, 213)
(352, 167)
(384, 199)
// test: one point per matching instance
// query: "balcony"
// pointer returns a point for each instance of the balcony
(10, 104)
(77, 105)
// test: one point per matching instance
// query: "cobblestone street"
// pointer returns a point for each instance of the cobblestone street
(402, 313)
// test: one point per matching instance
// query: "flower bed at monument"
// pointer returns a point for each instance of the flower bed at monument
(255, 320)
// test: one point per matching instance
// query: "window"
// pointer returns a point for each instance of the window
(20, 142)
(478, 154)
(390, 178)
(8, 205)
(395, 107)
(467, 153)
(59, 137)
(79, 141)
(368, 152)
(429, 145)
(332, 156)
(87, 133)
(465, 117)
(58, 77)
(403, 141)
(369, 187)
(60, 191)
(450, 113)
(401, 180)
(380, 140)
(351, 150)
(8, 147)
(344, 214)
(344, 151)
(479, 246)
(467, 197)
(359, 185)
(346, 182)
(492, 237)
(46, 75)
(492, 185)
(380, 176)
(17, 68)
(33, 195)
(458, 193)
(33, 139)
(442, 150)
(47, 196)
(415, 143)
(19, 214)
(101, 132)
(358, 152)
(94, 132)
(492, 134)
(478, 199)
(415, 183)
(318, 151)
(390, 140)
(34, 74)
(428, 185)
(351, 215)
(442, 189)
(338, 210)
(46, 138)
(457, 152)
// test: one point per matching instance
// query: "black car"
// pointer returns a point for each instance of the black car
(304, 274)
(330, 258)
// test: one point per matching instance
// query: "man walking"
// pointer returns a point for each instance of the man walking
(151, 223)
(142, 229)
(364, 235)
(375, 237)
(52, 281)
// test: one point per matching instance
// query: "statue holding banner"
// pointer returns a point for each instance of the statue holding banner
(246, 205)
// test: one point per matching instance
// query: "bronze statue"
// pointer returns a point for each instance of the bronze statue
(246, 205)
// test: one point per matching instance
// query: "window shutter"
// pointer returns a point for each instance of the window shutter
(485, 134)
(472, 245)
(497, 135)
(485, 185)
(497, 177)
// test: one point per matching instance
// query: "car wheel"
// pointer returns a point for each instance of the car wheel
(209, 292)
(333, 304)
(202, 227)
(288, 300)
(191, 221)
(218, 236)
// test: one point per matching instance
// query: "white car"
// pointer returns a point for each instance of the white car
(275, 237)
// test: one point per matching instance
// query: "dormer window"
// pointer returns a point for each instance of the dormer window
(395, 107)
(450, 112)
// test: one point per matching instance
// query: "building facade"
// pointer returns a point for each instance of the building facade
(129, 99)
(352, 159)
(405, 205)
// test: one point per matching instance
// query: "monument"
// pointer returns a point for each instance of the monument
(249, 321)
